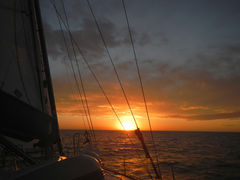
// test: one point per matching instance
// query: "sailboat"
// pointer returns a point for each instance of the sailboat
(28, 114)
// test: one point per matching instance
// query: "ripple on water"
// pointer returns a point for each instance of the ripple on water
(192, 155)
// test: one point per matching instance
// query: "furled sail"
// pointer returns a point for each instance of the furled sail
(25, 82)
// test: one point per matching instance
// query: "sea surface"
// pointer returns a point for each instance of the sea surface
(189, 155)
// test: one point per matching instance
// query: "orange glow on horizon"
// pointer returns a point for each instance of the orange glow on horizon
(164, 115)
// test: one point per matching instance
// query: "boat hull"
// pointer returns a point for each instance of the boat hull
(76, 168)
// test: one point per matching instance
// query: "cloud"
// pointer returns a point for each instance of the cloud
(220, 62)
(232, 115)
(191, 91)
(205, 84)
(89, 40)
(199, 84)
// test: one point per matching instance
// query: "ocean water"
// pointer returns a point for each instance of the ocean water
(189, 155)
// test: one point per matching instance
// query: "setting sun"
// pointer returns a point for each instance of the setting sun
(128, 125)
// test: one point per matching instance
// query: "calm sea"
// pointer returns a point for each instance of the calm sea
(191, 155)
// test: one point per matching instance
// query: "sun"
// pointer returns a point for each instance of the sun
(127, 125)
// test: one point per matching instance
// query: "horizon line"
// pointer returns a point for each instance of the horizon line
(154, 130)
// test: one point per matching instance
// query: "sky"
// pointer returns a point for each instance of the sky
(188, 53)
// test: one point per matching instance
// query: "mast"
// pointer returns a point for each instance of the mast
(48, 83)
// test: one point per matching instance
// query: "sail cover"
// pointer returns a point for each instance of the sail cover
(23, 71)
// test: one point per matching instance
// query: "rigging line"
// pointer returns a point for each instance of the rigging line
(72, 88)
(17, 54)
(95, 77)
(90, 69)
(137, 66)
(74, 73)
(79, 73)
(79, 92)
(114, 67)
(105, 45)
(92, 72)
(140, 81)
(65, 14)
(100, 86)
(84, 100)
(87, 113)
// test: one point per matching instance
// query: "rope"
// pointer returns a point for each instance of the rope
(74, 73)
(94, 76)
(72, 88)
(90, 69)
(79, 74)
(140, 79)
(114, 67)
